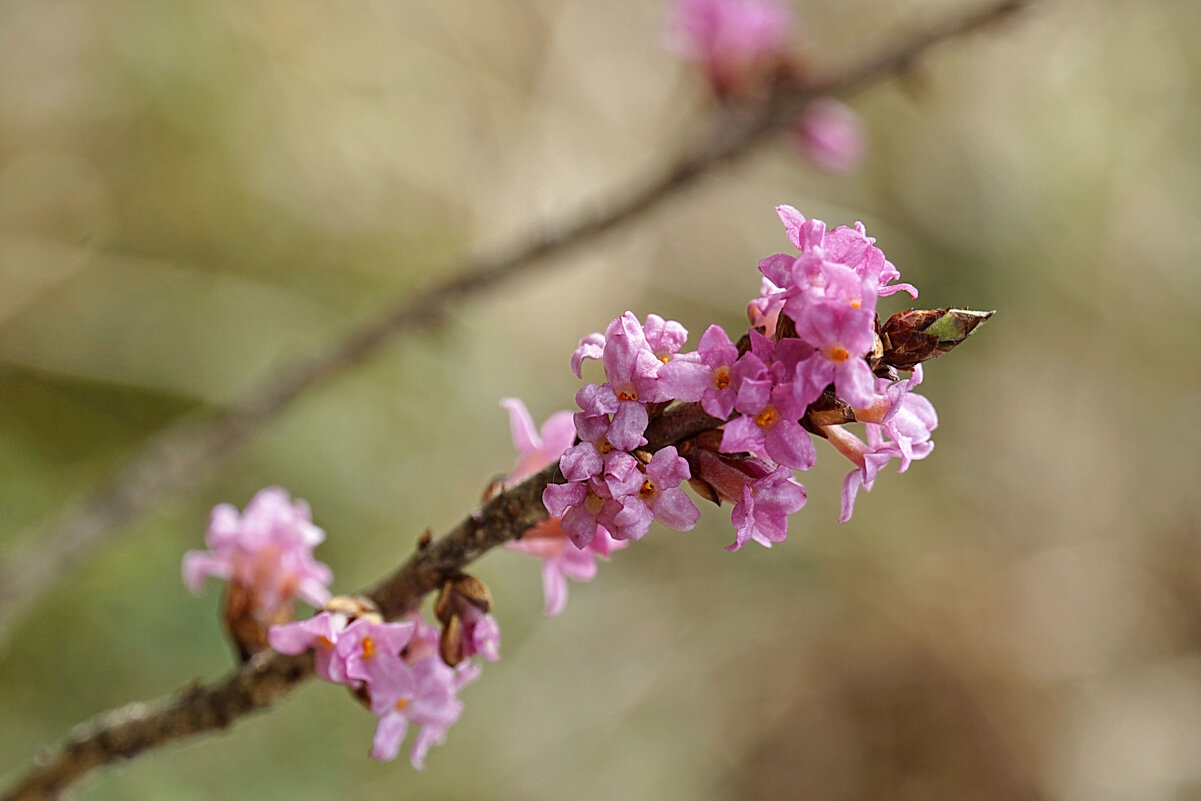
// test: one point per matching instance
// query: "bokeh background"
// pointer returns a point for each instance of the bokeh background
(194, 194)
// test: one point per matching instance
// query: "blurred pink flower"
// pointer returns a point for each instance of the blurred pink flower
(267, 551)
(734, 41)
(832, 136)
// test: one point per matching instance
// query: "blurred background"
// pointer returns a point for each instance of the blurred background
(194, 194)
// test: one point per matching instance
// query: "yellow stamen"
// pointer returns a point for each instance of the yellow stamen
(721, 378)
(838, 354)
(401, 703)
(627, 395)
(767, 418)
(368, 647)
(647, 489)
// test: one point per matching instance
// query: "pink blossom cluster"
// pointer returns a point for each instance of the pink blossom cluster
(397, 667)
(267, 551)
(813, 329)
(611, 484)
(266, 555)
(561, 558)
(740, 46)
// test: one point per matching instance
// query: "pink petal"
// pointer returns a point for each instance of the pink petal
(525, 436)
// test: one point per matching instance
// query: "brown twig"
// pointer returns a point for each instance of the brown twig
(181, 453)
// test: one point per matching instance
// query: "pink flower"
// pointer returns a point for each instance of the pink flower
(429, 701)
(267, 551)
(909, 421)
(850, 247)
(579, 508)
(831, 135)
(561, 558)
(654, 495)
(707, 376)
(762, 512)
(536, 448)
(321, 633)
(736, 42)
(370, 650)
(769, 426)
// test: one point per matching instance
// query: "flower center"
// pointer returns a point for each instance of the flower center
(647, 490)
(767, 418)
(401, 703)
(626, 392)
(593, 503)
(368, 647)
(837, 353)
(721, 378)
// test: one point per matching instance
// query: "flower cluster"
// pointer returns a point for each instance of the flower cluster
(266, 555)
(561, 558)
(735, 419)
(741, 46)
(610, 483)
(395, 666)
(268, 548)
(408, 672)
(813, 346)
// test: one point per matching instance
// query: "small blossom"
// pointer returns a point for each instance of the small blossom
(736, 42)
(321, 633)
(430, 701)
(831, 135)
(664, 337)
(537, 448)
(708, 377)
(762, 512)
(909, 422)
(561, 559)
(661, 494)
(267, 551)
(370, 649)
(770, 427)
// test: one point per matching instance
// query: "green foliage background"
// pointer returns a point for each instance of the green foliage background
(193, 194)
